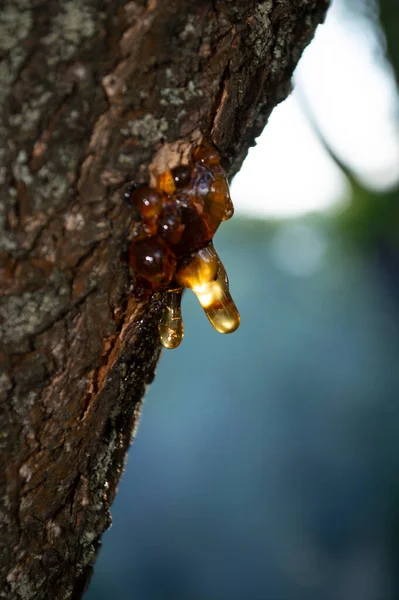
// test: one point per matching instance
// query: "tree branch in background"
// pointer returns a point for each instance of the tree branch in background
(389, 21)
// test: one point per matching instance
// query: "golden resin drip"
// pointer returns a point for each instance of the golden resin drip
(207, 278)
(171, 330)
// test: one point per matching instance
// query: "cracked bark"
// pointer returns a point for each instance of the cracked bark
(95, 94)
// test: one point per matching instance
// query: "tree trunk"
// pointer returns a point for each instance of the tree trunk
(94, 93)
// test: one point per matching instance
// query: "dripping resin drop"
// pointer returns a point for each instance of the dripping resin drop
(172, 248)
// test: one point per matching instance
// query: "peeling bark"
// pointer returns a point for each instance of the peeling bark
(93, 95)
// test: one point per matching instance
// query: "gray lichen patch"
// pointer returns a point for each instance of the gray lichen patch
(15, 24)
(5, 386)
(178, 96)
(31, 111)
(103, 461)
(49, 186)
(260, 36)
(148, 129)
(189, 29)
(8, 242)
(76, 22)
(50, 189)
(6, 79)
(19, 583)
(25, 315)
(21, 169)
(280, 56)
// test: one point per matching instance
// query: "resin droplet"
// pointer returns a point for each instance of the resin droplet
(181, 175)
(171, 330)
(153, 261)
(211, 182)
(171, 245)
(147, 200)
(205, 275)
(205, 154)
(166, 183)
(220, 194)
(170, 227)
(222, 312)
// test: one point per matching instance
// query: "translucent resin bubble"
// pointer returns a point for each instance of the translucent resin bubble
(205, 275)
(171, 329)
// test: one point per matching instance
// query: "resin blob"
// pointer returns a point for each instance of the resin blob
(173, 249)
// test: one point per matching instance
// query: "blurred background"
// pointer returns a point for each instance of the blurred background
(266, 463)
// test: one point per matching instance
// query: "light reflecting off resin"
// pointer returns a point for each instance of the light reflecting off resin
(171, 329)
(229, 212)
(207, 278)
(200, 270)
(171, 247)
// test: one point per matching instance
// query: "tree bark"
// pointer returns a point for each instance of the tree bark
(94, 94)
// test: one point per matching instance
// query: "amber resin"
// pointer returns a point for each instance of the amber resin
(173, 249)
(171, 329)
(205, 275)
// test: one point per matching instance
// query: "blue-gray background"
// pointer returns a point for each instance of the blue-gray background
(265, 461)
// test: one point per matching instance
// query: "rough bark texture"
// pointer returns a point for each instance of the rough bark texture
(93, 93)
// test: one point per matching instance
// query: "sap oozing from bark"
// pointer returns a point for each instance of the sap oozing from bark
(173, 246)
